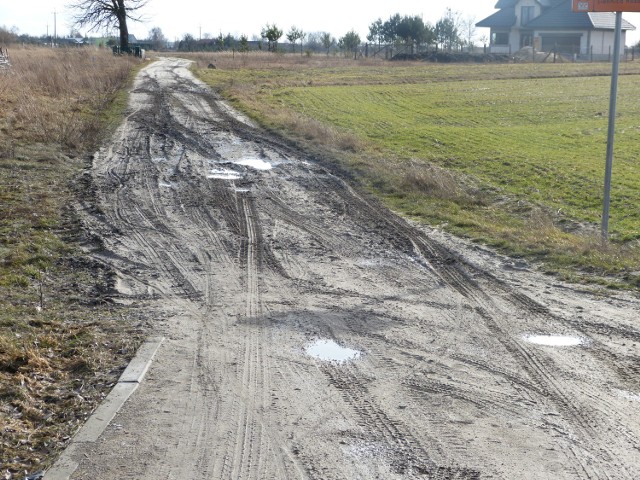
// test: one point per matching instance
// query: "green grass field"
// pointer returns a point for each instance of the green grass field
(510, 155)
(543, 140)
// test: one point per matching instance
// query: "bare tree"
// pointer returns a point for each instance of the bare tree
(327, 41)
(469, 29)
(448, 30)
(97, 14)
(157, 38)
(8, 35)
(294, 35)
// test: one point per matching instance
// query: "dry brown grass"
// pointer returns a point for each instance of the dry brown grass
(60, 346)
(427, 179)
(269, 60)
(57, 96)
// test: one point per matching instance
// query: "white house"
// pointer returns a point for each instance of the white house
(551, 25)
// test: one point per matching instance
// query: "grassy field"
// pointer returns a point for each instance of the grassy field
(61, 348)
(509, 155)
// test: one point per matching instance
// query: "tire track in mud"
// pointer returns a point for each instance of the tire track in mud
(290, 216)
(151, 233)
(548, 388)
(405, 453)
(250, 450)
(213, 250)
(446, 266)
(592, 455)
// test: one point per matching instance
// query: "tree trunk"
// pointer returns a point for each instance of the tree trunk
(121, 14)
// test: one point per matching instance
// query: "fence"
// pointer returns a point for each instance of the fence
(566, 54)
(134, 50)
(4, 59)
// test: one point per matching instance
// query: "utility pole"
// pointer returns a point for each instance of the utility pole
(616, 7)
(612, 126)
(55, 33)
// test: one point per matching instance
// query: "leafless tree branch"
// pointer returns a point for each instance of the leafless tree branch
(106, 14)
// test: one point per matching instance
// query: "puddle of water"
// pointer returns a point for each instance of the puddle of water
(222, 174)
(554, 340)
(255, 163)
(634, 397)
(330, 351)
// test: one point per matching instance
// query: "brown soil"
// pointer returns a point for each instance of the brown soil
(244, 272)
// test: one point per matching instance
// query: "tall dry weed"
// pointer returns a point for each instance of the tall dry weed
(321, 133)
(437, 182)
(258, 59)
(54, 95)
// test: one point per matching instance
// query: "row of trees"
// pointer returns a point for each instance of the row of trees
(272, 34)
(269, 38)
(450, 32)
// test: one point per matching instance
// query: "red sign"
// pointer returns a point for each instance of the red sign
(606, 5)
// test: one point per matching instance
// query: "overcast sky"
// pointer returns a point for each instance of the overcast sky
(248, 17)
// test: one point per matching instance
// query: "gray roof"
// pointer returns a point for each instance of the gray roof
(562, 16)
(607, 21)
(506, 3)
(505, 18)
(558, 15)
(512, 3)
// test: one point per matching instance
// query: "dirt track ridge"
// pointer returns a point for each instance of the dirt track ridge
(244, 252)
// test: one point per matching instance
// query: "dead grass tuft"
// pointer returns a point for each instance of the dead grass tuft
(270, 60)
(58, 95)
(437, 182)
(321, 133)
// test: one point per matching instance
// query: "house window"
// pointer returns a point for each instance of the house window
(526, 15)
(500, 38)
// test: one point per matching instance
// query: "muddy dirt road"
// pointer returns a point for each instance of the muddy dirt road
(251, 258)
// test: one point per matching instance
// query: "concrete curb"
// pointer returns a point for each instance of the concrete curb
(100, 418)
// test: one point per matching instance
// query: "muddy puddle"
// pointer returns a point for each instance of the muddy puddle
(223, 174)
(255, 163)
(633, 397)
(329, 351)
(555, 340)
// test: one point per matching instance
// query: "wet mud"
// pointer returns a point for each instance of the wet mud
(247, 250)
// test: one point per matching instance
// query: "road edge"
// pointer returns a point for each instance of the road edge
(128, 382)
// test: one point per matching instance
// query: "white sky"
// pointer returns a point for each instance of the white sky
(248, 17)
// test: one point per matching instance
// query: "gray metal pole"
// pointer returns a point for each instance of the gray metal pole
(613, 102)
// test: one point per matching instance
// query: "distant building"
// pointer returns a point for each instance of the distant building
(71, 41)
(551, 25)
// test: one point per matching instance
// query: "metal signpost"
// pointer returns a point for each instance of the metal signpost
(617, 6)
